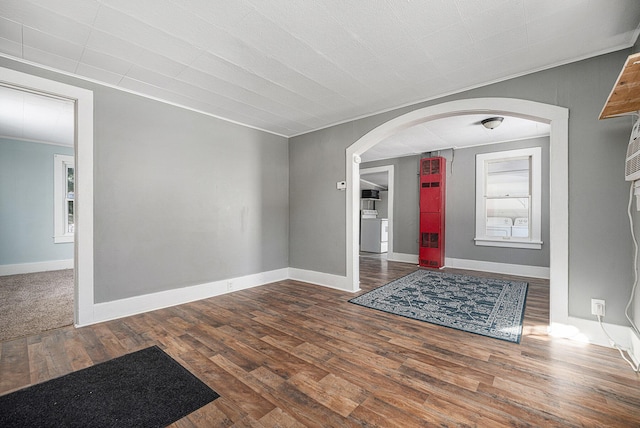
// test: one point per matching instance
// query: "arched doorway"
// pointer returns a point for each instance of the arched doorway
(557, 117)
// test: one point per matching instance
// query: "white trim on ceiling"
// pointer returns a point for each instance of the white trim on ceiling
(30, 140)
(479, 85)
(129, 91)
(351, 119)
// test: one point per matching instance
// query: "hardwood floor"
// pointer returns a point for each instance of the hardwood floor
(292, 354)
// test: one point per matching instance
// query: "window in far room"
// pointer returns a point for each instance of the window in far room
(64, 198)
(508, 199)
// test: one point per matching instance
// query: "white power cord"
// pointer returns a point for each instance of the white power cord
(612, 342)
(635, 262)
(618, 347)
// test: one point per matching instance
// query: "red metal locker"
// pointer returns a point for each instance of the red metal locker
(432, 211)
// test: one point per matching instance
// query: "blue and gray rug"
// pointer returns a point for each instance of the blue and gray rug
(486, 306)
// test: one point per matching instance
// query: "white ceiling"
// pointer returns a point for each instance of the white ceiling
(454, 132)
(290, 67)
(374, 180)
(33, 117)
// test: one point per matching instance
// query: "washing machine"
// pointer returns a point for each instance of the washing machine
(499, 226)
(520, 228)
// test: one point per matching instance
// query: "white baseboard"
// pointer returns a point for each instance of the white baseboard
(403, 258)
(35, 267)
(635, 347)
(320, 278)
(589, 331)
(504, 268)
(163, 299)
(149, 302)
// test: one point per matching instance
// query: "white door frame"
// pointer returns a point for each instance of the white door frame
(557, 117)
(83, 247)
(390, 195)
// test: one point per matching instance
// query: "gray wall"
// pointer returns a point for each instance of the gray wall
(599, 242)
(222, 232)
(180, 198)
(317, 226)
(460, 220)
(461, 208)
(406, 211)
(382, 206)
(184, 199)
(26, 203)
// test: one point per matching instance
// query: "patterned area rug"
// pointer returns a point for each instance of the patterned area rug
(486, 306)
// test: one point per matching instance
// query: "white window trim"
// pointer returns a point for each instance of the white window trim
(535, 240)
(60, 164)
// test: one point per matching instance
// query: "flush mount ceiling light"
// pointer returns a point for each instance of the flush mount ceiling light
(492, 122)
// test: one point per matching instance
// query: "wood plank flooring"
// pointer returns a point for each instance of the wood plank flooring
(290, 354)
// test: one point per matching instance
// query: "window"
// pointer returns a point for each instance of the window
(508, 198)
(64, 197)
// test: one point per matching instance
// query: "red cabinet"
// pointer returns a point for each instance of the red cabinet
(432, 211)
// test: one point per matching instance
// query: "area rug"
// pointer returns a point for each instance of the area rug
(146, 388)
(490, 307)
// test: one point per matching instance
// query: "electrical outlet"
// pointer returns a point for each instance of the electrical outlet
(229, 285)
(597, 307)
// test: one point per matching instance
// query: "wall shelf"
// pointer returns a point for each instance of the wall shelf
(625, 95)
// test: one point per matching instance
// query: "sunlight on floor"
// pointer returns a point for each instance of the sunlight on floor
(568, 332)
(539, 331)
(544, 332)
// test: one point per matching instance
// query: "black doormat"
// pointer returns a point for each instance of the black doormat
(146, 388)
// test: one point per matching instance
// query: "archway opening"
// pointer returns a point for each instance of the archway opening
(557, 117)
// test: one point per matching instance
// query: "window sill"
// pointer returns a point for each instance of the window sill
(509, 243)
(62, 239)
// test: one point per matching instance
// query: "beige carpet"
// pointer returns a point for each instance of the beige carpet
(35, 302)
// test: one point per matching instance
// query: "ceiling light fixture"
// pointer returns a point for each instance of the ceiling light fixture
(492, 122)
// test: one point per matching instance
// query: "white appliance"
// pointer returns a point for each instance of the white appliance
(632, 163)
(369, 213)
(520, 228)
(499, 226)
(374, 235)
